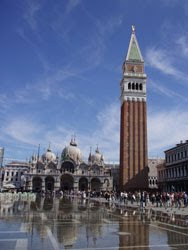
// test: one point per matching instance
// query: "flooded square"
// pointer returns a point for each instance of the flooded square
(71, 223)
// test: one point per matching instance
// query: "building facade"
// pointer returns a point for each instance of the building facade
(173, 175)
(69, 172)
(133, 125)
(14, 174)
(152, 175)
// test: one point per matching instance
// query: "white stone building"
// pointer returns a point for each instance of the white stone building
(14, 173)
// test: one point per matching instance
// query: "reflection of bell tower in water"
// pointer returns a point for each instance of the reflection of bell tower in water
(134, 233)
(133, 131)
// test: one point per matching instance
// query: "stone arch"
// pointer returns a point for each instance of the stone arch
(96, 169)
(37, 184)
(95, 184)
(83, 184)
(67, 166)
(51, 167)
(49, 183)
(67, 182)
(40, 167)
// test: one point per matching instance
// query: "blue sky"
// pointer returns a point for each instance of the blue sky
(61, 69)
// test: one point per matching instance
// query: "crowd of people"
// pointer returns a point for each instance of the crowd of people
(158, 199)
(140, 198)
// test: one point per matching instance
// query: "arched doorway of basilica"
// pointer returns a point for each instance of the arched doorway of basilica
(83, 184)
(49, 183)
(37, 184)
(95, 185)
(67, 182)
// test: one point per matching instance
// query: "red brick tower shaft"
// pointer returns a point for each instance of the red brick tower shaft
(133, 131)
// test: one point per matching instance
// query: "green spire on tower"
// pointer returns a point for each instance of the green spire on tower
(134, 53)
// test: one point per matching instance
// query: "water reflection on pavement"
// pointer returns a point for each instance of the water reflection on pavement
(67, 223)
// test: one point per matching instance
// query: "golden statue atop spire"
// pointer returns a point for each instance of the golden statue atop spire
(133, 29)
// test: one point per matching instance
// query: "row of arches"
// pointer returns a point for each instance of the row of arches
(135, 86)
(66, 183)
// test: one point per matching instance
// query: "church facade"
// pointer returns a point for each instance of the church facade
(49, 173)
(133, 124)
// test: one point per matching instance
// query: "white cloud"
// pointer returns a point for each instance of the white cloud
(106, 133)
(165, 91)
(165, 129)
(159, 59)
(23, 130)
(3, 102)
(72, 4)
(30, 13)
(46, 86)
(183, 43)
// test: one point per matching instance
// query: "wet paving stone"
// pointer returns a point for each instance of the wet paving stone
(70, 223)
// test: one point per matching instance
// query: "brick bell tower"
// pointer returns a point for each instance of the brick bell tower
(133, 130)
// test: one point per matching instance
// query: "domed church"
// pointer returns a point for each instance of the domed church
(68, 172)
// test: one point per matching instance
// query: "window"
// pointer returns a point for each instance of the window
(136, 86)
(133, 86)
(7, 173)
(16, 173)
(140, 86)
(181, 155)
(12, 173)
(129, 85)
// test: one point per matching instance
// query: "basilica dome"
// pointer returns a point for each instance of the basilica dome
(72, 152)
(97, 158)
(49, 156)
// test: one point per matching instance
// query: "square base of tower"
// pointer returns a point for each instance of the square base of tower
(137, 182)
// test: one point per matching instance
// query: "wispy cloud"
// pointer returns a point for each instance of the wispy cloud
(183, 44)
(165, 129)
(32, 7)
(161, 60)
(160, 88)
(106, 133)
(50, 84)
(72, 4)
(23, 130)
(3, 101)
